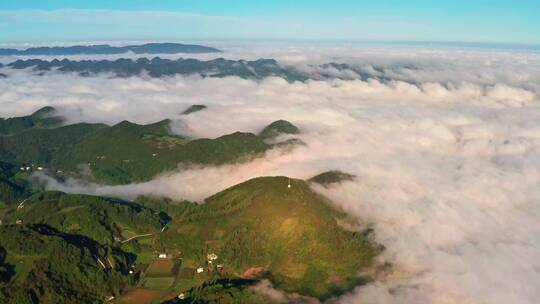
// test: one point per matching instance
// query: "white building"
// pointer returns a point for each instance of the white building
(200, 270)
(181, 296)
(162, 256)
(212, 256)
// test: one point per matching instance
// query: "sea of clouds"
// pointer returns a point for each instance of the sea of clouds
(447, 153)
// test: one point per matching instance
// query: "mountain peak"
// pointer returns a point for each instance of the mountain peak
(277, 128)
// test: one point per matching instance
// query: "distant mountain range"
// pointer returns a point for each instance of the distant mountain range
(105, 49)
(158, 67)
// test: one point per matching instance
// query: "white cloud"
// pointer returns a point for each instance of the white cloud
(448, 168)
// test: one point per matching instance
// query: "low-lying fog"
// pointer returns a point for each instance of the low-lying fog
(448, 169)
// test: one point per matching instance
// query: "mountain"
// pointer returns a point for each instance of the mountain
(43, 118)
(102, 219)
(13, 185)
(277, 128)
(105, 49)
(61, 248)
(158, 67)
(41, 265)
(263, 228)
(122, 153)
(256, 69)
(58, 246)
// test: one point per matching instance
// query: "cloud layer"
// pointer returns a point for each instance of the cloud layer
(447, 156)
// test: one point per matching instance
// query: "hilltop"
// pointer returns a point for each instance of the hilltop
(279, 127)
(289, 235)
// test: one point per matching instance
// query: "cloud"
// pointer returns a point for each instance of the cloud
(265, 289)
(447, 156)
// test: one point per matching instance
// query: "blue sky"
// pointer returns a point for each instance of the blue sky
(499, 21)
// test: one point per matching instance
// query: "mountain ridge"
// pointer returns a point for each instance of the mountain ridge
(106, 49)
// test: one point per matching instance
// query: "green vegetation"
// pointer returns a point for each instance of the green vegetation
(42, 118)
(128, 152)
(41, 265)
(259, 229)
(60, 248)
(291, 233)
(12, 188)
(123, 153)
(224, 291)
(101, 219)
(43, 146)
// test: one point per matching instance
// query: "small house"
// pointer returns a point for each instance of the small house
(162, 256)
(212, 256)
(18, 222)
(200, 270)
(181, 296)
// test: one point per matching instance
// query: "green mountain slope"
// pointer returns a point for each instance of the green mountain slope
(128, 152)
(289, 235)
(13, 185)
(258, 229)
(43, 146)
(43, 118)
(123, 153)
(40, 265)
(102, 219)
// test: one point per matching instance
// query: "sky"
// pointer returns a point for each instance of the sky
(483, 21)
